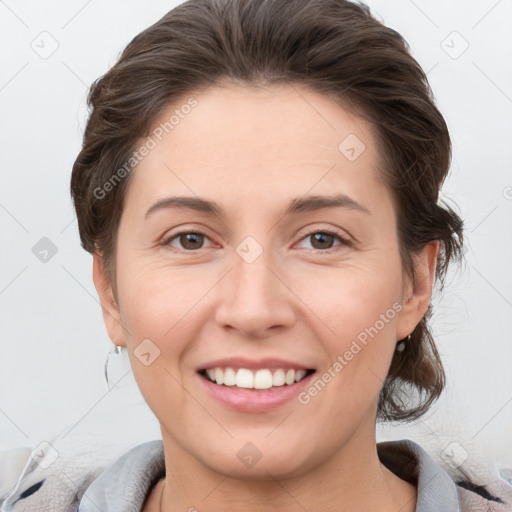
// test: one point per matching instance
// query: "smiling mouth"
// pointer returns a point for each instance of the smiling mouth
(258, 380)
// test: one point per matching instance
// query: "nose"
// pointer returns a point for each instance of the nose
(255, 297)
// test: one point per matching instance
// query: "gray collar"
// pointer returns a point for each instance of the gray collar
(409, 461)
(123, 486)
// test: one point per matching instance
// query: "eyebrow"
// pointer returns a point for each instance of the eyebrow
(298, 205)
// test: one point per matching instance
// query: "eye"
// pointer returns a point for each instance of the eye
(322, 240)
(189, 240)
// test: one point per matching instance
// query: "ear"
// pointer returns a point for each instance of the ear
(417, 294)
(109, 307)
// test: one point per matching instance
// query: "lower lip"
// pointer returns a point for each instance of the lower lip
(254, 400)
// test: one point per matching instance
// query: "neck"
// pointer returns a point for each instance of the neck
(352, 479)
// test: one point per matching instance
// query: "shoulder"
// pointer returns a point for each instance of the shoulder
(442, 489)
(48, 477)
(124, 485)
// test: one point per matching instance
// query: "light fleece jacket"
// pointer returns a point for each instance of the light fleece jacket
(123, 485)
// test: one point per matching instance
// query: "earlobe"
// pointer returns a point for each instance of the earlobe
(418, 294)
(109, 307)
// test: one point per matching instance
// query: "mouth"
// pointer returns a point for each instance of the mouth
(251, 385)
(262, 379)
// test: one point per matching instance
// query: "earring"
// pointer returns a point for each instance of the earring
(400, 347)
(115, 349)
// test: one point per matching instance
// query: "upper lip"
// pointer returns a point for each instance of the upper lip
(254, 364)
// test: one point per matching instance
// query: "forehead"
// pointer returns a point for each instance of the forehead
(259, 143)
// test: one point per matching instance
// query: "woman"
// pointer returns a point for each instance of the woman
(258, 185)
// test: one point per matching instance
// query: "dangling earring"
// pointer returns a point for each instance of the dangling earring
(400, 347)
(115, 349)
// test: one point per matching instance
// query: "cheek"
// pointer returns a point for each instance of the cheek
(157, 307)
(354, 313)
(348, 300)
(155, 300)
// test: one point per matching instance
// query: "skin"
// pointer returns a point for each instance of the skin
(253, 151)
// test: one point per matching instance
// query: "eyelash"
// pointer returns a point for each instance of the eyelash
(344, 241)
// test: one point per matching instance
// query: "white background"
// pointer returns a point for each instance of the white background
(53, 342)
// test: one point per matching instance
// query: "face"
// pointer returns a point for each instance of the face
(269, 282)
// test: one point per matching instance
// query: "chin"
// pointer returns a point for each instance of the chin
(268, 468)
(265, 460)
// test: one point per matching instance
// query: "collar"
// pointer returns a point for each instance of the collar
(124, 485)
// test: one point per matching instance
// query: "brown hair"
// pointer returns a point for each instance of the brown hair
(336, 48)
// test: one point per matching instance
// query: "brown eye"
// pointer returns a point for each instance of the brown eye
(189, 240)
(323, 240)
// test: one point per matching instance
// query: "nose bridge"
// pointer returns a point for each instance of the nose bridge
(254, 297)
(252, 274)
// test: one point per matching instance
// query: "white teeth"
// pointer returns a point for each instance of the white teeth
(229, 377)
(219, 375)
(260, 379)
(299, 375)
(244, 378)
(290, 377)
(263, 379)
(278, 378)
